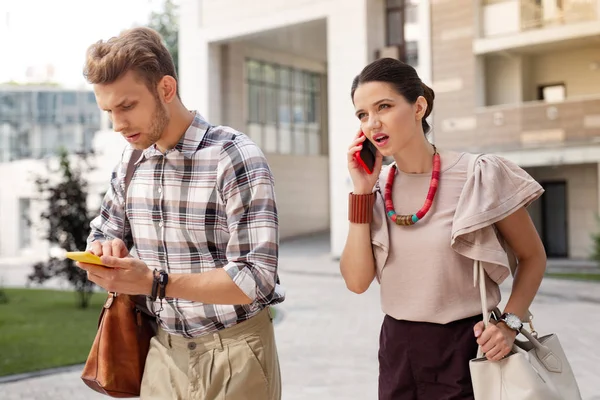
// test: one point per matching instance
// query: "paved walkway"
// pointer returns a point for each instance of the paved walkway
(328, 337)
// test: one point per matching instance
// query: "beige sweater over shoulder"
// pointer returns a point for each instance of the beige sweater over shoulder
(426, 270)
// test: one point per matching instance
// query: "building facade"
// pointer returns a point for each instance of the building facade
(281, 72)
(521, 78)
(36, 121)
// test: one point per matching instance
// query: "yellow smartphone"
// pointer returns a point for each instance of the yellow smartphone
(85, 257)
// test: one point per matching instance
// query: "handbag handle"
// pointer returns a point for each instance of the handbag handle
(550, 361)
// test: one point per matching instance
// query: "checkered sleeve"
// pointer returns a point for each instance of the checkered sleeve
(246, 186)
(111, 223)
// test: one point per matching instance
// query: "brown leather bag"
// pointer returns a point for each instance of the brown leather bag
(115, 365)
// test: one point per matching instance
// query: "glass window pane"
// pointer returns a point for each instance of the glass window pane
(299, 107)
(412, 53)
(412, 13)
(69, 99)
(285, 139)
(393, 3)
(255, 133)
(284, 106)
(300, 139)
(270, 144)
(253, 70)
(315, 83)
(298, 79)
(24, 223)
(285, 77)
(314, 142)
(395, 28)
(312, 108)
(271, 105)
(253, 103)
(270, 73)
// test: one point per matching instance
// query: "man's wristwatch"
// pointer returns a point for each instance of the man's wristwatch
(512, 321)
(159, 285)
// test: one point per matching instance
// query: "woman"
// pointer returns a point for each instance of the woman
(418, 224)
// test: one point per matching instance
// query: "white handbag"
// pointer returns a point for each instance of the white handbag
(535, 369)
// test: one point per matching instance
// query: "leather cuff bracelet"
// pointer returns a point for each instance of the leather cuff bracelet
(154, 294)
(360, 208)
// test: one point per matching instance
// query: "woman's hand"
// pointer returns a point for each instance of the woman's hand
(496, 340)
(362, 181)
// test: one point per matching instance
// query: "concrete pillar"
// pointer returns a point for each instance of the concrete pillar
(354, 31)
(200, 72)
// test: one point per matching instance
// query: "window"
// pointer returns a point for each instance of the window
(411, 55)
(399, 13)
(24, 223)
(69, 98)
(395, 27)
(411, 12)
(283, 112)
(552, 93)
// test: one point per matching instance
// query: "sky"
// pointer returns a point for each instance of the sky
(35, 33)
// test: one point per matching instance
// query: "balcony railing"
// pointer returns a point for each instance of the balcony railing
(512, 16)
(545, 13)
(539, 124)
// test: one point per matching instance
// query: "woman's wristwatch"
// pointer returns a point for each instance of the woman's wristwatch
(512, 321)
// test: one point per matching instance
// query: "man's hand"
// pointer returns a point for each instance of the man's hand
(496, 340)
(121, 275)
(114, 248)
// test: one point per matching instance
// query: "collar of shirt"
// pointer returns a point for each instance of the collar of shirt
(189, 142)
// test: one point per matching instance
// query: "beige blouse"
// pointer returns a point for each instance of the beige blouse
(426, 270)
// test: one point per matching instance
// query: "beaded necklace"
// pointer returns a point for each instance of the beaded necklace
(411, 219)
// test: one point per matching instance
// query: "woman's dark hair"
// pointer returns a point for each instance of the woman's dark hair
(403, 78)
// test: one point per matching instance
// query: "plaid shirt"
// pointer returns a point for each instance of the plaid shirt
(208, 203)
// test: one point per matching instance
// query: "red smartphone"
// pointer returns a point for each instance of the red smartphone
(366, 156)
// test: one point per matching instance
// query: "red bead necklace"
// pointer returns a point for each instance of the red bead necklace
(411, 219)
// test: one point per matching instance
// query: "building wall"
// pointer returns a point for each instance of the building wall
(512, 78)
(20, 177)
(574, 68)
(504, 79)
(582, 203)
(301, 182)
(454, 70)
(241, 10)
(354, 32)
(36, 121)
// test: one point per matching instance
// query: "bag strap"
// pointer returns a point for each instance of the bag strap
(135, 155)
(471, 169)
(551, 361)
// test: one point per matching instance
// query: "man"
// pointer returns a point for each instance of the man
(200, 211)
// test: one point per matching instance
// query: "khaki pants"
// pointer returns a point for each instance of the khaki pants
(236, 363)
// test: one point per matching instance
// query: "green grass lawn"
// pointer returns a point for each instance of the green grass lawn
(575, 276)
(42, 329)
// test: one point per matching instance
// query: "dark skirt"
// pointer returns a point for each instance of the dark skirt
(425, 361)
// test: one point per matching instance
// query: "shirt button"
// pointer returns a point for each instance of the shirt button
(191, 346)
(160, 224)
(159, 190)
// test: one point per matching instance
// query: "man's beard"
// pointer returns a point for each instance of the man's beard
(160, 120)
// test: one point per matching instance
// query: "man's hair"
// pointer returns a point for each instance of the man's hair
(139, 49)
